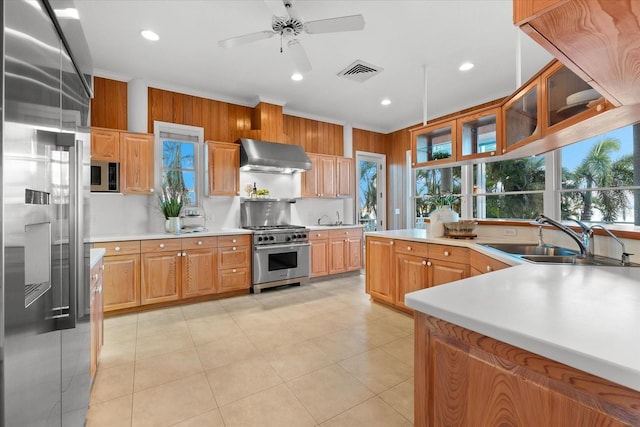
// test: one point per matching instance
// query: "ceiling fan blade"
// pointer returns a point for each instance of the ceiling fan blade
(299, 55)
(247, 38)
(334, 25)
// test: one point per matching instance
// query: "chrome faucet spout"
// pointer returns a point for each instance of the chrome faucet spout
(338, 218)
(542, 219)
(625, 256)
(323, 216)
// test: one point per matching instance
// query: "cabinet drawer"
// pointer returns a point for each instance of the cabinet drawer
(411, 248)
(319, 235)
(233, 279)
(199, 242)
(345, 232)
(235, 240)
(234, 256)
(160, 245)
(484, 263)
(126, 247)
(449, 253)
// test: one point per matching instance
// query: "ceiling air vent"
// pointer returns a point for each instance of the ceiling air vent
(360, 71)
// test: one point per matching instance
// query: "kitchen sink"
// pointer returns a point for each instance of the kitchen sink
(532, 249)
(333, 224)
(551, 259)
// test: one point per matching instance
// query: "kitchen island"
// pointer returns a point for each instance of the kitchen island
(528, 345)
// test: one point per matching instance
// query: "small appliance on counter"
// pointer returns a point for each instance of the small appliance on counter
(193, 219)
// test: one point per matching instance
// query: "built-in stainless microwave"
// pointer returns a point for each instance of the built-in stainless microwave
(105, 176)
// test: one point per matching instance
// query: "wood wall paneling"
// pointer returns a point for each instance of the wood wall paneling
(109, 104)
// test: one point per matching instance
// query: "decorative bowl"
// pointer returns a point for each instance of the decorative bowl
(463, 227)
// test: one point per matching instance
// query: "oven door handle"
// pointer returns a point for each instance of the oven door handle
(277, 247)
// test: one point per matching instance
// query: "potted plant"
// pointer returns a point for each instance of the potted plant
(173, 197)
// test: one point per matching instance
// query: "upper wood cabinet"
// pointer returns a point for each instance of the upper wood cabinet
(136, 163)
(105, 144)
(224, 168)
(434, 143)
(480, 134)
(521, 116)
(597, 39)
(329, 177)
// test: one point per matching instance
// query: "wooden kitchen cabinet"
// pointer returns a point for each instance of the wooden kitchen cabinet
(199, 266)
(96, 315)
(345, 177)
(463, 378)
(105, 144)
(481, 264)
(345, 250)
(224, 168)
(234, 263)
(380, 273)
(521, 116)
(479, 134)
(319, 242)
(597, 40)
(329, 177)
(121, 279)
(448, 264)
(136, 163)
(161, 270)
(434, 144)
(411, 261)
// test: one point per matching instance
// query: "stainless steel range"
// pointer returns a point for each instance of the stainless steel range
(281, 251)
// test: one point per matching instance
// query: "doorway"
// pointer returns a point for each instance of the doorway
(371, 202)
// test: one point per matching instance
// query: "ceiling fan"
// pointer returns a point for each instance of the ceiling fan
(291, 26)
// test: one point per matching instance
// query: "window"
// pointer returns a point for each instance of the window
(181, 150)
(434, 181)
(509, 189)
(599, 181)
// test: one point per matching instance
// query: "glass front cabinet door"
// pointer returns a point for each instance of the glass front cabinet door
(434, 143)
(568, 99)
(521, 117)
(480, 134)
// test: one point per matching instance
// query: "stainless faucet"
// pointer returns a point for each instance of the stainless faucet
(625, 256)
(338, 216)
(323, 216)
(542, 219)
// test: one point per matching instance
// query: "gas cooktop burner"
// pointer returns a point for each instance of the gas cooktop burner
(274, 227)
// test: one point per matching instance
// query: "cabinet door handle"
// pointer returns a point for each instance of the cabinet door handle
(489, 268)
(424, 262)
(391, 242)
(161, 245)
(184, 254)
(234, 248)
(179, 254)
(428, 263)
(446, 253)
(234, 241)
(151, 190)
(234, 270)
(408, 248)
(102, 267)
(199, 242)
(117, 249)
(95, 276)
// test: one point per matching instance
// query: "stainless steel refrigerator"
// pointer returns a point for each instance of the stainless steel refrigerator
(44, 327)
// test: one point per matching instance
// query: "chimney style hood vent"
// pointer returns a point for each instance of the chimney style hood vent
(272, 157)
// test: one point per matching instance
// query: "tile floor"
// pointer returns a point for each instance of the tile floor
(317, 355)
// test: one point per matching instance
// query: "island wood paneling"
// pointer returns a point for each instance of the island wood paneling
(109, 104)
(314, 136)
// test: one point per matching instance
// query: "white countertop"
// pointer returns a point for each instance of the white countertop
(95, 255)
(585, 317)
(333, 227)
(148, 236)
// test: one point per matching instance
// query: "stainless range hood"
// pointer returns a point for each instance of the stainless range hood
(272, 157)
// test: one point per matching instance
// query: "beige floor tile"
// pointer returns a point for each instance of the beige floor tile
(116, 412)
(400, 320)
(160, 344)
(372, 413)
(275, 407)
(241, 379)
(328, 392)
(402, 349)
(211, 328)
(155, 327)
(165, 368)
(268, 339)
(121, 319)
(378, 332)
(400, 398)
(259, 319)
(202, 309)
(118, 333)
(208, 419)
(377, 369)
(226, 350)
(315, 326)
(241, 304)
(173, 402)
(110, 383)
(161, 315)
(294, 360)
(115, 354)
(342, 344)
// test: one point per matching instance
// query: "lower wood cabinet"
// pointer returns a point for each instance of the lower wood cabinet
(379, 277)
(481, 264)
(163, 270)
(319, 241)
(345, 250)
(96, 315)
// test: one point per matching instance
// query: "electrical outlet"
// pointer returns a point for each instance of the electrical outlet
(397, 211)
(510, 232)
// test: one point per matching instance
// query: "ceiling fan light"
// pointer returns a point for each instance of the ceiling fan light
(296, 77)
(385, 102)
(466, 66)
(149, 35)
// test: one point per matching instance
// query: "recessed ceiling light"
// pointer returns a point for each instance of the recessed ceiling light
(465, 66)
(149, 35)
(385, 101)
(296, 77)
(68, 13)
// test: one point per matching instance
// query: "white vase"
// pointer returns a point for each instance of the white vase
(173, 225)
(437, 219)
